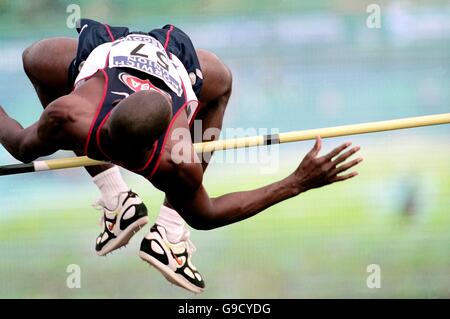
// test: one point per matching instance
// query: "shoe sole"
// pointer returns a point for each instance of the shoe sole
(169, 273)
(124, 237)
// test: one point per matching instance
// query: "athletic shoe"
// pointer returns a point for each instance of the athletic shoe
(120, 223)
(172, 260)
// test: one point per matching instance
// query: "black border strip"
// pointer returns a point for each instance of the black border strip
(233, 308)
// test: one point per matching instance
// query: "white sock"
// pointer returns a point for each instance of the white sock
(173, 223)
(111, 184)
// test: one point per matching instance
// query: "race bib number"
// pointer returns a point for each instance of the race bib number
(146, 54)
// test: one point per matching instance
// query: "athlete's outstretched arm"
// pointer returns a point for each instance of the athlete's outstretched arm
(27, 144)
(203, 212)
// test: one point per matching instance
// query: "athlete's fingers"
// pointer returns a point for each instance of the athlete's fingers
(316, 148)
(344, 177)
(346, 166)
(336, 151)
(341, 158)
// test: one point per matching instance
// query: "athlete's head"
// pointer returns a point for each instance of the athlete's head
(138, 120)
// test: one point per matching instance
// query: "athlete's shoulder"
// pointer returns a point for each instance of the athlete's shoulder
(59, 109)
(66, 120)
(52, 123)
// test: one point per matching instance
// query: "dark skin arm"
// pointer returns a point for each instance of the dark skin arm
(203, 212)
(24, 144)
(44, 137)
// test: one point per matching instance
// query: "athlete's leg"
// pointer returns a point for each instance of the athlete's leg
(170, 229)
(46, 64)
(214, 96)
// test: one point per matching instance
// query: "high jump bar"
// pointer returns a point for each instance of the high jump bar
(235, 143)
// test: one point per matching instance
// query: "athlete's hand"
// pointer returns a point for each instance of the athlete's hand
(314, 171)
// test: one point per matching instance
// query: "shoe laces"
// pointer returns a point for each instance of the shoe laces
(100, 205)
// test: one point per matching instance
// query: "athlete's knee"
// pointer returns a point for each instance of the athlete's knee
(47, 61)
(226, 87)
(224, 76)
(33, 58)
(218, 77)
(28, 60)
(227, 80)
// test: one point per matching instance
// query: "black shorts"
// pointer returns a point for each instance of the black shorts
(93, 33)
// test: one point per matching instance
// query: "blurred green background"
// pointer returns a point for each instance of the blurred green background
(296, 65)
